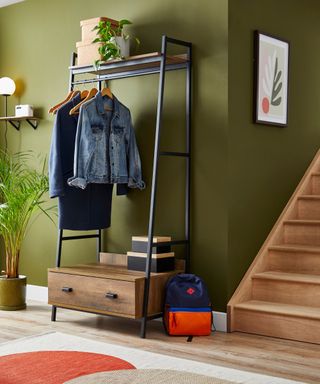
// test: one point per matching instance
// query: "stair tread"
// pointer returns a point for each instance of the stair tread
(295, 248)
(280, 308)
(309, 197)
(301, 221)
(288, 276)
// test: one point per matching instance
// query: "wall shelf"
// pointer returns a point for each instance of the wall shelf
(16, 121)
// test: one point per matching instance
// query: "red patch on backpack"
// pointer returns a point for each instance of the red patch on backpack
(191, 291)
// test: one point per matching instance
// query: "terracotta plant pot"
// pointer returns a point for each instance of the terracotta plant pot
(13, 293)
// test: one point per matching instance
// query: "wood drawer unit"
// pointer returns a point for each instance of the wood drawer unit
(93, 293)
(109, 290)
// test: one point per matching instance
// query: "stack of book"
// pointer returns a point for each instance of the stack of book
(162, 257)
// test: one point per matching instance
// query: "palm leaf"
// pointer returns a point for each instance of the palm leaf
(21, 194)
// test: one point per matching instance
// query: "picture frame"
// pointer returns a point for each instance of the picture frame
(271, 79)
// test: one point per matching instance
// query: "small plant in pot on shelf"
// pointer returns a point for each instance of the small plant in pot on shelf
(114, 42)
(21, 195)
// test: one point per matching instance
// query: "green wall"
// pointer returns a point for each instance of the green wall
(242, 173)
(36, 39)
(265, 162)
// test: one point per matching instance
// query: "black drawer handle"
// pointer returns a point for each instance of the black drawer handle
(111, 295)
(66, 289)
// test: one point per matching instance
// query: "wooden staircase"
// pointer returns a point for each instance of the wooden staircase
(279, 295)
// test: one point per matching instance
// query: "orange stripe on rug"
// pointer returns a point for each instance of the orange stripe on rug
(55, 367)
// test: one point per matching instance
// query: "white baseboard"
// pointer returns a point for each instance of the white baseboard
(220, 321)
(36, 292)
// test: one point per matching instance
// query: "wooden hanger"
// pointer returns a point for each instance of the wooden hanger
(70, 95)
(107, 92)
(89, 96)
(84, 94)
(74, 93)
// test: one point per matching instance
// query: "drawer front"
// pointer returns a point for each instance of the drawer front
(92, 293)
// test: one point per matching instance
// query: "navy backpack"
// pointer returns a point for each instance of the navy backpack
(187, 307)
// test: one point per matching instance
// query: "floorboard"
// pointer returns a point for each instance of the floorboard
(270, 356)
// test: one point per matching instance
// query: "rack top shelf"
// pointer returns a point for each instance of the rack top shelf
(134, 65)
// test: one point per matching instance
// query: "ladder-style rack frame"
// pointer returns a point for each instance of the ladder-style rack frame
(140, 66)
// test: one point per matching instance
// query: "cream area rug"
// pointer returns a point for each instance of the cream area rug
(57, 358)
(147, 376)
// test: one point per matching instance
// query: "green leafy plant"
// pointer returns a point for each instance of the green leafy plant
(21, 195)
(120, 32)
(108, 48)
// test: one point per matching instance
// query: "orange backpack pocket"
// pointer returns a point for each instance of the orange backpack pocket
(188, 321)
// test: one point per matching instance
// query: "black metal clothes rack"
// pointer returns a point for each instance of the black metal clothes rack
(158, 63)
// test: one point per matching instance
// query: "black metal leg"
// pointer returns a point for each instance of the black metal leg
(53, 313)
(99, 242)
(60, 232)
(188, 150)
(59, 248)
(154, 187)
(58, 260)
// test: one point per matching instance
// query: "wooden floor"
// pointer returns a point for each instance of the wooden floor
(293, 360)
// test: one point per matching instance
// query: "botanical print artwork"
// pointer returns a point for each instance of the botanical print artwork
(271, 84)
(272, 80)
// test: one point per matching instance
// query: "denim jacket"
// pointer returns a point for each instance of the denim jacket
(106, 150)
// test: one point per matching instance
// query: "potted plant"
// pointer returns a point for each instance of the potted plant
(114, 42)
(122, 39)
(21, 195)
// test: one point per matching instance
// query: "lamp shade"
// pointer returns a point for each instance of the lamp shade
(7, 86)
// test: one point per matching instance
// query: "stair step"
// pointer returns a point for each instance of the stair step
(302, 232)
(289, 288)
(308, 207)
(302, 222)
(293, 322)
(294, 258)
(309, 197)
(292, 277)
(282, 309)
(295, 248)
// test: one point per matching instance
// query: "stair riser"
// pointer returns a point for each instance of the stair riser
(297, 262)
(287, 292)
(315, 185)
(268, 324)
(304, 234)
(309, 209)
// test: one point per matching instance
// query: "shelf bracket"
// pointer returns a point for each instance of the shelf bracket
(16, 121)
(15, 124)
(34, 123)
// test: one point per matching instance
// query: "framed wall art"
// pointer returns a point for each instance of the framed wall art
(271, 56)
